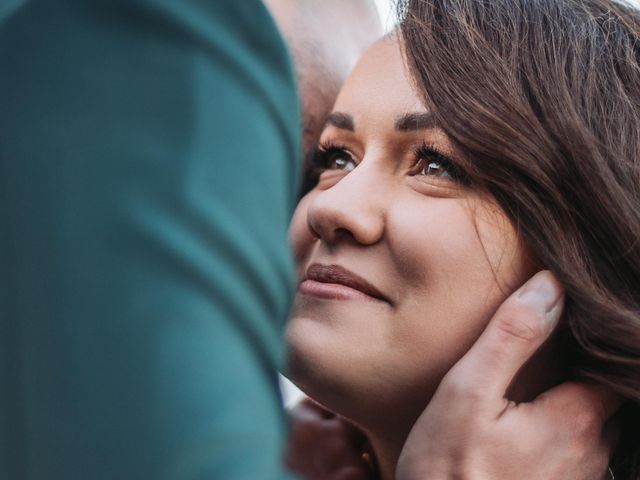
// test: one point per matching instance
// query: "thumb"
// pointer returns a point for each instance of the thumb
(520, 326)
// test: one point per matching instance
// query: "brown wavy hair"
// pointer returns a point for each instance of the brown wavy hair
(542, 97)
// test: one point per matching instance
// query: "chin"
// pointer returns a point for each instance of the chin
(314, 367)
(352, 382)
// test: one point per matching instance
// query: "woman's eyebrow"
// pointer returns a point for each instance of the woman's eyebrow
(415, 121)
(341, 120)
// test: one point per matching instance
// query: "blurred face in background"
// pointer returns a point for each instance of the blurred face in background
(326, 38)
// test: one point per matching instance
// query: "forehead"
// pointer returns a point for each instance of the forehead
(380, 86)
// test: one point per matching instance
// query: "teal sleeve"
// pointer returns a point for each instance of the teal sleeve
(148, 166)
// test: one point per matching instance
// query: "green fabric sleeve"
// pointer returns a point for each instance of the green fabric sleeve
(148, 167)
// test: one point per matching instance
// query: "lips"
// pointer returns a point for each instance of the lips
(337, 275)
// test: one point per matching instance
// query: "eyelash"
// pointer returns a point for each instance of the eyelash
(324, 153)
(428, 152)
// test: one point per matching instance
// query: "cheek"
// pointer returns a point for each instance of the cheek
(458, 262)
(437, 246)
(467, 248)
(507, 254)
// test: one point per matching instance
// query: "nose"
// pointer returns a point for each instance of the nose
(354, 208)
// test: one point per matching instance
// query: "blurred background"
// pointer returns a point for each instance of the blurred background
(387, 14)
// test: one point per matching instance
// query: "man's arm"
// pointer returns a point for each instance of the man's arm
(148, 162)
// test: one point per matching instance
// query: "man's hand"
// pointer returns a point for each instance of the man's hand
(470, 431)
(323, 446)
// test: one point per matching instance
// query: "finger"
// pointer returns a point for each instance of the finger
(519, 327)
(607, 446)
(581, 401)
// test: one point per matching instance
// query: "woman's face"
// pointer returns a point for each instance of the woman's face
(401, 263)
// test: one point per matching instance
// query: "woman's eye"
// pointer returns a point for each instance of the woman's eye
(334, 158)
(431, 163)
(434, 169)
(341, 162)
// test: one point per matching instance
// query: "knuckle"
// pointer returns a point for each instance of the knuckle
(457, 386)
(521, 321)
(586, 428)
(601, 459)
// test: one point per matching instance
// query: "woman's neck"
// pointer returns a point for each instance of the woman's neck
(387, 438)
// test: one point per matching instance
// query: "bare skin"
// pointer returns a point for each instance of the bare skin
(574, 411)
(471, 431)
(390, 209)
(569, 426)
(344, 454)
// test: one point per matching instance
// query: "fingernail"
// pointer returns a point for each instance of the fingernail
(545, 293)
